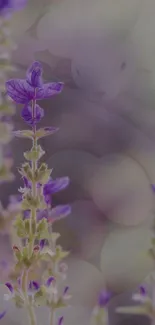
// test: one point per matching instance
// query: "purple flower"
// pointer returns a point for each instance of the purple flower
(66, 290)
(33, 285)
(142, 290)
(54, 186)
(59, 212)
(61, 321)
(153, 187)
(2, 314)
(42, 243)
(23, 91)
(27, 114)
(49, 281)
(34, 75)
(27, 184)
(6, 5)
(103, 298)
(9, 286)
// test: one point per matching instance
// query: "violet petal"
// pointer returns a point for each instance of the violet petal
(153, 187)
(54, 186)
(33, 285)
(142, 290)
(66, 290)
(61, 321)
(27, 114)
(9, 286)
(2, 314)
(49, 281)
(41, 214)
(20, 91)
(59, 212)
(34, 75)
(103, 298)
(42, 243)
(27, 184)
(49, 90)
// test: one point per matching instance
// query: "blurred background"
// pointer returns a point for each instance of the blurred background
(104, 51)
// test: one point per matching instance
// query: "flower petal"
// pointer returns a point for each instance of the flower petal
(9, 286)
(49, 90)
(54, 186)
(103, 298)
(61, 321)
(2, 314)
(42, 243)
(49, 281)
(66, 290)
(27, 114)
(59, 212)
(34, 75)
(19, 90)
(33, 285)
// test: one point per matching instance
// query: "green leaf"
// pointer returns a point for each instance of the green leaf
(34, 154)
(40, 297)
(43, 132)
(27, 226)
(54, 236)
(60, 254)
(42, 226)
(60, 304)
(42, 174)
(23, 134)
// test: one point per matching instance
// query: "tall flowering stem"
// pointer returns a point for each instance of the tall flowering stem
(34, 224)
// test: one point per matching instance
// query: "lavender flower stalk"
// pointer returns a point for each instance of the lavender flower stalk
(34, 226)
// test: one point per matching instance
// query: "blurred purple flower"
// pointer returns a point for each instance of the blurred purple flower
(153, 187)
(50, 280)
(61, 321)
(142, 290)
(33, 285)
(22, 91)
(27, 114)
(9, 286)
(2, 314)
(103, 298)
(14, 5)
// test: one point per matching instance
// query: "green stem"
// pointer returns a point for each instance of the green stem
(30, 308)
(31, 313)
(52, 317)
(34, 188)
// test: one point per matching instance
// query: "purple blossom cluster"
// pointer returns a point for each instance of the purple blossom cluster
(36, 195)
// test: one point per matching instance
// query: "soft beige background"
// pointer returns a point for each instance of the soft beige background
(104, 51)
